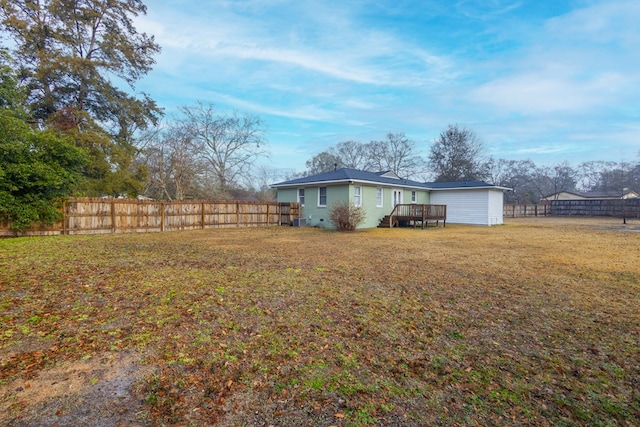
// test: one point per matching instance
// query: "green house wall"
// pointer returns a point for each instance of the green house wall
(318, 216)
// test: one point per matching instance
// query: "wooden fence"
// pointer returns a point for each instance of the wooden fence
(518, 211)
(618, 208)
(97, 216)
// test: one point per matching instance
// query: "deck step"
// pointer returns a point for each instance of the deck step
(385, 222)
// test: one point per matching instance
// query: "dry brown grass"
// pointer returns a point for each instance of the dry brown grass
(532, 323)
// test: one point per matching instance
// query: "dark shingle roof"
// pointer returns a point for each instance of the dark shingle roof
(346, 175)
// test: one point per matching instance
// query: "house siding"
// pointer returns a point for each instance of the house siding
(373, 213)
(496, 207)
(474, 206)
(319, 216)
(288, 195)
(566, 196)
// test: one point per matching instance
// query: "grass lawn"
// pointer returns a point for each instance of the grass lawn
(535, 322)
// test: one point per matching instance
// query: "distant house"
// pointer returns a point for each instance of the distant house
(468, 202)
(590, 195)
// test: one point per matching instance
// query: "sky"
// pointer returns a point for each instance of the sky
(545, 80)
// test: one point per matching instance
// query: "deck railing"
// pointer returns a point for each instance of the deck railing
(415, 212)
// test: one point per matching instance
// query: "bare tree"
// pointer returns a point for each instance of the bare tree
(497, 171)
(554, 179)
(457, 155)
(175, 165)
(260, 178)
(352, 154)
(230, 143)
(322, 162)
(591, 174)
(618, 178)
(516, 175)
(397, 154)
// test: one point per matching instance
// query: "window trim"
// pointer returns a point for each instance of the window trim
(320, 205)
(357, 195)
(303, 196)
(379, 197)
(414, 196)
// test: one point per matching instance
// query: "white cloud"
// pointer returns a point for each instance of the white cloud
(323, 40)
(485, 9)
(334, 70)
(544, 93)
(600, 23)
(566, 69)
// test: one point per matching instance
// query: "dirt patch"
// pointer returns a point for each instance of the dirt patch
(96, 392)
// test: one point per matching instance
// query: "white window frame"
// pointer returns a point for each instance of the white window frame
(379, 197)
(357, 195)
(320, 205)
(301, 196)
(414, 196)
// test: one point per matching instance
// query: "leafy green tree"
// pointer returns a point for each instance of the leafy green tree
(12, 97)
(69, 53)
(67, 49)
(37, 169)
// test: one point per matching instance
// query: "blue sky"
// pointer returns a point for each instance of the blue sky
(546, 80)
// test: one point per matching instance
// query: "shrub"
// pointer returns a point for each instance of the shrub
(346, 216)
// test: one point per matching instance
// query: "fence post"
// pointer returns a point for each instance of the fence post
(161, 217)
(202, 214)
(64, 217)
(113, 216)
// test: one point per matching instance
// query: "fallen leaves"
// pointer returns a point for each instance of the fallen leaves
(412, 327)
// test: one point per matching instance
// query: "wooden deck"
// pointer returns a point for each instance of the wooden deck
(412, 214)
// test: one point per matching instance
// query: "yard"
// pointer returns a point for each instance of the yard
(535, 322)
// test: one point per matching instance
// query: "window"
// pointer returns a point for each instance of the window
(414, 196)
(322, 196)
(379, 201)
(301, 196)
(357, 196)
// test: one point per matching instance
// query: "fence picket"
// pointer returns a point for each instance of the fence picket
(95, 215)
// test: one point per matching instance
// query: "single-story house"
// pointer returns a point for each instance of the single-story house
(468, 202)
(590, 195)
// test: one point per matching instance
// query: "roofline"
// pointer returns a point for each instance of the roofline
(350, 181)
(377, 183)
(479, 187)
